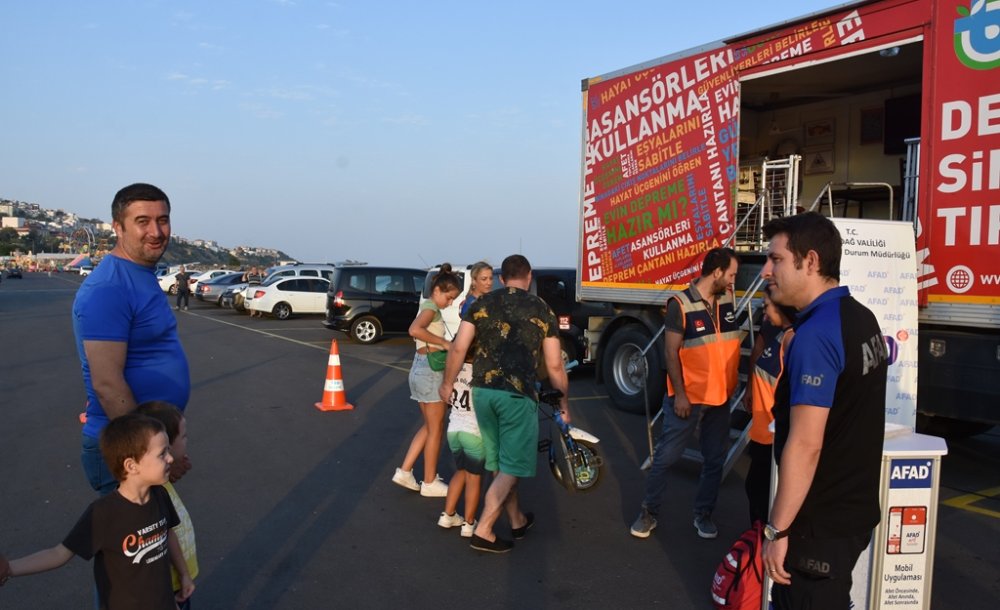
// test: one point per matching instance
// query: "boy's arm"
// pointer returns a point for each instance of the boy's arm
(177, 560)
(42, 561)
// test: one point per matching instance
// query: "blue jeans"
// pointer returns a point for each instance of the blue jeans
(95, 469)
(713, 439)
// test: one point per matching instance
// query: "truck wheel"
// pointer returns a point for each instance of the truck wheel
(568, 349)
(623, 371)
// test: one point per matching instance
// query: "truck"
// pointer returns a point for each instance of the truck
(884, 109)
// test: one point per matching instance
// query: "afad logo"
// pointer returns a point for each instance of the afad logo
(977, 35)
(910, 473)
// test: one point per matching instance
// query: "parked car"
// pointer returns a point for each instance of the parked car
(323, 270)
(285, 296)
(14, 272)
(233, 297)
(168, 282)
(86, 269)
(211, 290)
(237, 300)
(367, 302)
(197, 278)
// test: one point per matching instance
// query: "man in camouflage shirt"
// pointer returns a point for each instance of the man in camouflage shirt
(512, 329)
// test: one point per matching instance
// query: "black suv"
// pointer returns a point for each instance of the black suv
(366, 302)
(557, 287)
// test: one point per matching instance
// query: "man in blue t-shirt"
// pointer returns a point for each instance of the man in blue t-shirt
(829, 417)
(126, 334)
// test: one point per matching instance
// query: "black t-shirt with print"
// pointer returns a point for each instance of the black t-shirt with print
(128, 543)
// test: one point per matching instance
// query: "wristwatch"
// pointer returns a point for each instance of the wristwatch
(772, 533)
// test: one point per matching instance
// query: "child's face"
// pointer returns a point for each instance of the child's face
(444, 298)
(154, 467)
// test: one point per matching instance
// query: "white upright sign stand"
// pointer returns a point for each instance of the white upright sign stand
(879, 266)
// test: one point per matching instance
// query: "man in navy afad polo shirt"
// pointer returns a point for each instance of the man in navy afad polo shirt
(829, 417)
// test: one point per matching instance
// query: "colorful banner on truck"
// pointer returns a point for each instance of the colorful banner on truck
(661, 149)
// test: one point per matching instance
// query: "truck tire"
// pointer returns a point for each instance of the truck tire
(623, 371)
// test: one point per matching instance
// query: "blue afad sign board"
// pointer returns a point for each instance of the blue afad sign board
(911, 473)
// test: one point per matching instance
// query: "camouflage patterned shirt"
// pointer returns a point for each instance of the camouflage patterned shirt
(510, 326)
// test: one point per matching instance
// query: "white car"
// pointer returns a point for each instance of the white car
(167, 282)
(284, 296)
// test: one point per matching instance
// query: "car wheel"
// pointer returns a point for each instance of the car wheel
(366, 329)
(282, 311)
(238, 303)
(172, 289)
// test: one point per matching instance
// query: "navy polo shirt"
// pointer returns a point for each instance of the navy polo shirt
(838, 360)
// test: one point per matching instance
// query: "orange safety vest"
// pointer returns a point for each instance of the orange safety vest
(763, 382)
(710, 356)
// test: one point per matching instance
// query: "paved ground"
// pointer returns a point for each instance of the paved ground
(293, 508)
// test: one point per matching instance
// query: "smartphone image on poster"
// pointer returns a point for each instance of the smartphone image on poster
(895, 531)
(913, 532)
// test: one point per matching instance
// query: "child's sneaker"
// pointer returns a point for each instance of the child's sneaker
(468, 529)
(448, 521)
(404, 478)
(437, 489)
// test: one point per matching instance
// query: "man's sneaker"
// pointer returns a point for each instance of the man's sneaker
(437, 489)
(468, 529)
(448, 521)
(705, 527)
(404, 478)
(497, 546)
(644, 524)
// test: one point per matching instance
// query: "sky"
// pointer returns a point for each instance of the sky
(400, 133)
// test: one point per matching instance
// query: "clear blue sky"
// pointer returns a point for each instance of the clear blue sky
(393, 132)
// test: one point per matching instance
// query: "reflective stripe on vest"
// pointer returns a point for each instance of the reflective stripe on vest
(763, 382)
(709, 356)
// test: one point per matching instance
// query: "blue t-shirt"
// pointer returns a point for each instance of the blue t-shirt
(122, 301)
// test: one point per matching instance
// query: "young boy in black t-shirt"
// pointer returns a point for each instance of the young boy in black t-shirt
(129, 532)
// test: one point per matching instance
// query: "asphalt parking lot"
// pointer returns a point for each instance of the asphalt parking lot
(294, 508)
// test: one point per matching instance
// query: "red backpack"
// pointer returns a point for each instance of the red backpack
(738, 581)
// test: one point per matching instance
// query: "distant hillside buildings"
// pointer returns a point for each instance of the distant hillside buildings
(80, 234)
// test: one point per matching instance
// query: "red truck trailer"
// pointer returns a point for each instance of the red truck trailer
(885, 109)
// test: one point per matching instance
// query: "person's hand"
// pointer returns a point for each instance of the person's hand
(179, 468)
(773, 556)
(445, 392)
(187, 588)
(748, 400)
(4, 570)
(682, 406)
(564, 413)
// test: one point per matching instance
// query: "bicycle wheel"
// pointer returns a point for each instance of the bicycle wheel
(576, 470)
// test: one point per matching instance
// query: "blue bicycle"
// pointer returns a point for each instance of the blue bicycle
(573, 457)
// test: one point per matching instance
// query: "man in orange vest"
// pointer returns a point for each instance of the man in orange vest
(702, 353)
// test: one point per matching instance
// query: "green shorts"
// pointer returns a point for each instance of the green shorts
(509, 424)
